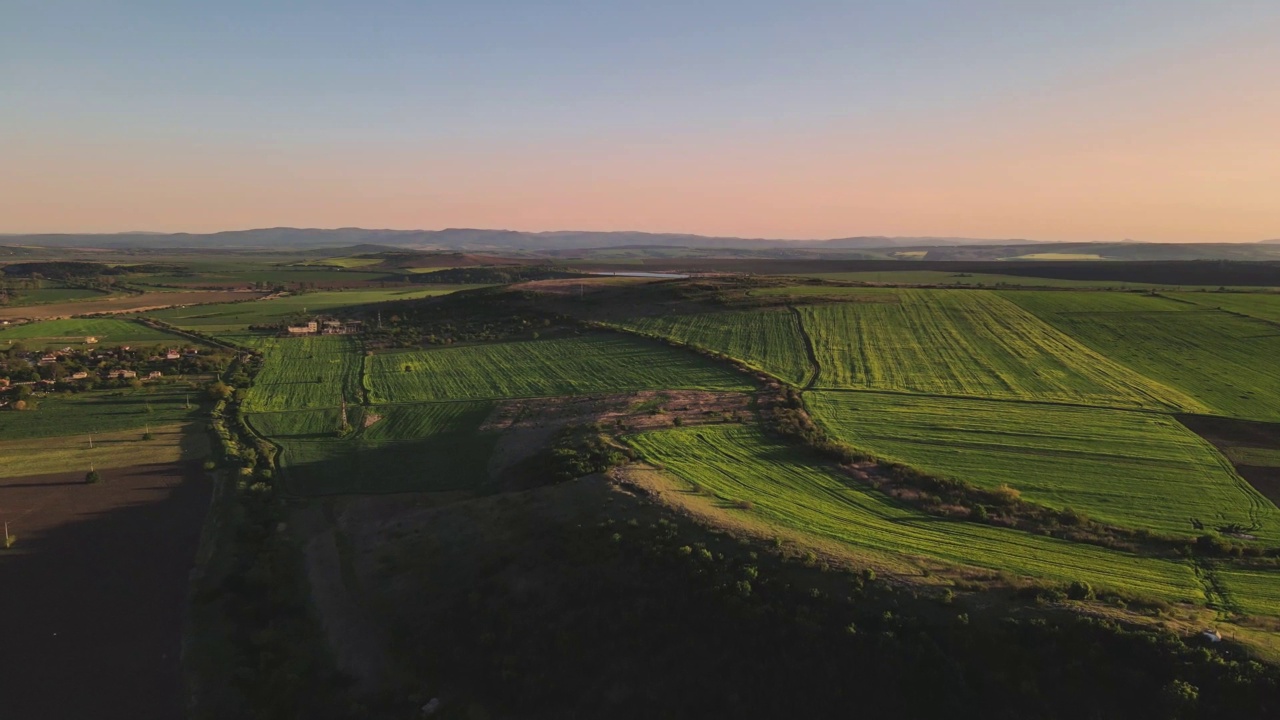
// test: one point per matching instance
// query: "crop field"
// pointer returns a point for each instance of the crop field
(122, 448)
(769, 340)
(1224, 361)
(237, 277)
(101, 411)
(942, 277)
(569, 366)
(1255, 591)
(788, 488)
(41, 296)
(1130, 469)
(108, 331)
(969, 343)
(305, 373)
(1263, 306)
(235, 318)
(431, 446)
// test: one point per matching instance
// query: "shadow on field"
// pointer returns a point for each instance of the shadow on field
(93, 595)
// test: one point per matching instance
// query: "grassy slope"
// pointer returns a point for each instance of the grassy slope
(410, 448)
(770, 340)
(569, 366)
(40, 296)
(108, 331)
(1221, 360)
(790, 489)
(968, 342)
(939, 277)
(292, 366)
(1129, 469)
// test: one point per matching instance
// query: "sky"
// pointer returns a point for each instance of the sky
(1152, 120)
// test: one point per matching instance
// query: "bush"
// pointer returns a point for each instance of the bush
(92, 477)
(1080, 590)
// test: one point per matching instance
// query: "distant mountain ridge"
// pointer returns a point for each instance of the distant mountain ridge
(465, 238)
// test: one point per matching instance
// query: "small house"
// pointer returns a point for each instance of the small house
(154, 374)
(91, 340)
(172, 355)
(79, 375)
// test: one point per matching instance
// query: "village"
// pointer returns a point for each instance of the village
(25, 372)
(323, 326)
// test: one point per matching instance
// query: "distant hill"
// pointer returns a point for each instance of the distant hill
(620, 245)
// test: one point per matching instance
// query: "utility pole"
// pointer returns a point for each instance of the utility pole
(90, 441)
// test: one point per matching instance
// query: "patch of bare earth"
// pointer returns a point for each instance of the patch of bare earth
(93, 593)
(1227, 434)
(527, 426)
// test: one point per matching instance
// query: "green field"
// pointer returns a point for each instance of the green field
(235, 318)
(41, 296)
(72, 332)
(788, 488)
(1264, 306)
(1262, 457)
(1224, 361)
(433, 446)
(304, 373)
(1253, 591)
(222, 276)
(603, 363)
(102, 411)
(941, 277)
(1129, 469)
(969, 343)
(769, 340)
(121, 448)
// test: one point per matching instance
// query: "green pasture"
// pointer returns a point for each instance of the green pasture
(769, 340)
(969, 343)
(942, 277)
(1225, 361)
(1130, 469)
(601, 363)
(1263, 306)
(788, 488)
(1255, 591)
(43, 296)
(72, 332)
(101, 411)
(435, 446)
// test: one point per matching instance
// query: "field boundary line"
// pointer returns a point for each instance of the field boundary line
(815, 369)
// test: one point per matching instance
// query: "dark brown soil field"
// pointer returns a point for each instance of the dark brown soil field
(1227, 433)
(93, 594)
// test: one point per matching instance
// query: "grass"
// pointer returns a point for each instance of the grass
(1223, 361)
(1138, 470)
(603, 363)
(235, 318)
(768, 340)
(1263, 306)
(435, 447)
(787, 487)
(42, 296)
(101, 411)
(305, 373)
(72, 332)
(122, 448)
(969, 343)
(1255, 591)
(234, 277)
(1261, 457)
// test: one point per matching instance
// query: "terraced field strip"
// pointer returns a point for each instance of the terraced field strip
(969, 343)
(237, 317)
(109, 332)
(940, 277)
(433, 446)
(41, 296)
(1130, 469)
(1263, 306)
(305, 373)
(601, 363)
(1254, 591)
(788, 488)
(769, 340)
(1224, 361)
